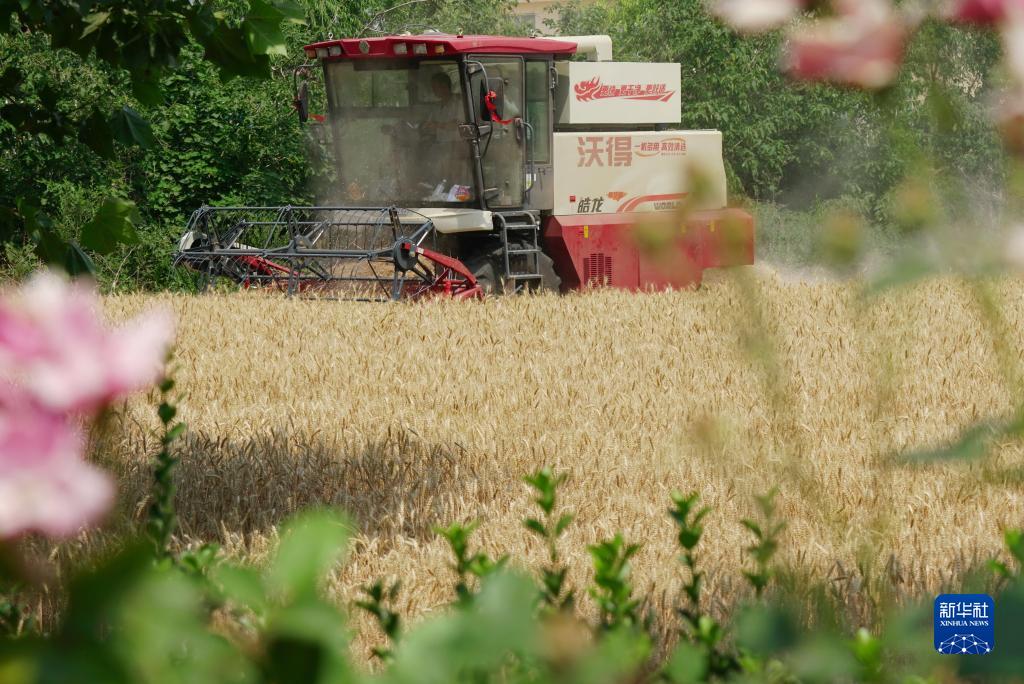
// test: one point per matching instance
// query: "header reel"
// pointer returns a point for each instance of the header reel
(371, 254)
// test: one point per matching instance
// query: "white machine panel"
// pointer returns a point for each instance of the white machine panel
(604, 173)
(617, 93)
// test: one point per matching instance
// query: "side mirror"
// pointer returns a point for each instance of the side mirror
(492, 106)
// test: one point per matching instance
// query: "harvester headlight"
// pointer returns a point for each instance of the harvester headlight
(419, 49)
(439, 49)
(334, 51)
(310, 53)
(321, 53)
(401, 49)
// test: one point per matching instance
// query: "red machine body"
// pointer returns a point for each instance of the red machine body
(647, 251)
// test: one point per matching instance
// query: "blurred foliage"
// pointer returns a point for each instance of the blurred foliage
(91, 93)
(129, 619)
(555, 593)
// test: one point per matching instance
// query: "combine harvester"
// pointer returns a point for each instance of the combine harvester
(466, 165)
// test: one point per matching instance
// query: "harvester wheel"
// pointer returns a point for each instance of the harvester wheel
(486, 274)
(549, 280)
(486, 269)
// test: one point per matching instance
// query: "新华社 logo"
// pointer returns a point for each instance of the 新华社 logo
(586, 91)
(964, 624)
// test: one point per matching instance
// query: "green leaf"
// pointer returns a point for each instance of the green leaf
(262, 27)
(147, 90)
(166, 412)
(202, 21)
(616, 658)
(228, 48)
(131, 129)
(112, 225)
(77, 262)
(764, 630)
(310, 546)
(535, 525)
(242, 585)
(757, 580)
(999, 568)
(910, 268)
(1015, 544)
(823, 659)
(292, 11)
(97, 134)
(94, 22)
(56, 251)
(563, 523)
(972, 444)
(1006, 661)
(480, 639)
(868, 649)
(174, 433)
(753, 527)
(305, 642)
(50, 247)
(687, 664)
(96, 593)
(160, 634)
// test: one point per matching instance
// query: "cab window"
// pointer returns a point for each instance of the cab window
(538, 110)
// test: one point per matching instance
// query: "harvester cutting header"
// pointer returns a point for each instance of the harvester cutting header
(472, 164)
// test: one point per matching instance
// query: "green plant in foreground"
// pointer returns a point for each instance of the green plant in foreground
(129, 620)
(553, 593)
(702, 629)
(766, 534)
(467, 565)
(378, 595)
(613, 590)
(1014, 540)
(162, 519)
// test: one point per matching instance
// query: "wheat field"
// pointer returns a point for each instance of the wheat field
(410, 416)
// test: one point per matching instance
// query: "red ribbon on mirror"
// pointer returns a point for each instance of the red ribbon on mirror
(489, 101)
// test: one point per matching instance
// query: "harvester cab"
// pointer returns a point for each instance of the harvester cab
(471, 164)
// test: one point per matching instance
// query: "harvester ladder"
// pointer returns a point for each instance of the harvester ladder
(520, 245)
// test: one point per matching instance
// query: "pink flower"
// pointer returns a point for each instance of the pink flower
(53, 341)
(862, 47)
(983, 12)
(45, 486)
(1012, 35)
(1008, 112)
(756, 16)
(1009, 119)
